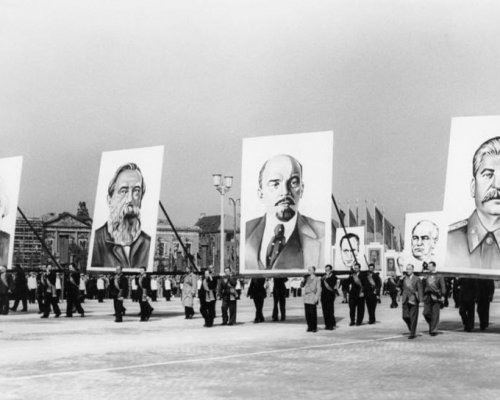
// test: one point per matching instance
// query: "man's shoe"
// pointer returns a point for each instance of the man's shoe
(57, 315)
(314, 330)
(433, 333)
(44, 316)
(224, 323)
(411, 337)
(351, 324)
(24, 310)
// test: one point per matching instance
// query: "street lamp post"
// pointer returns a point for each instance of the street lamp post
(222, 186)
(235, 247)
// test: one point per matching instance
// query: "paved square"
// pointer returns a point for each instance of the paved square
(170, 357)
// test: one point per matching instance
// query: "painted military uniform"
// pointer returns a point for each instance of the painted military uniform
(470, 245)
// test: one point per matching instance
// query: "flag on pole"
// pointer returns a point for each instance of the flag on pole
(352, 219)
(370, 227)
(379, 222)
(387, 233)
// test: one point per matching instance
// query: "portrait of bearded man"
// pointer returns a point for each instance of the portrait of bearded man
(120, 241)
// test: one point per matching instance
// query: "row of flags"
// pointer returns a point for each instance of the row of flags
(378, 227)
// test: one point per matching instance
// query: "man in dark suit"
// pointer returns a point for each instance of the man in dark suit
(279, 298)
(120, 241)
(485, 291)
(257, 292)
(411, 295)
(328, 288)
(356, 296)
(467, 288)
(282, 238)
(226, 291)
(434, 288)
(118, 290)
(372, 285)
(474, 243)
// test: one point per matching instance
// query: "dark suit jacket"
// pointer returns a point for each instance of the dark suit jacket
(121, 290)
(303, 249)
(108, 254)
(354, 289)
(411, 290)
(4, 248)
(371, 291)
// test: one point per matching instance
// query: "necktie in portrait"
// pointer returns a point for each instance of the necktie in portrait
(275, 245)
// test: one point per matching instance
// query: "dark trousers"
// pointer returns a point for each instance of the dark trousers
(188, 312)
(311, 317)
(167, 294)
(39, 299)
(410, 317)
(228, 305)
(100, 296)
(119, 309)
(154, 295)
(431, 314)
(327, 305)
(146, 310)
(483, 312)
(23, 300)
(279, 301)
(209, 313)
(32, 296)
(371, 306)
(82, 296)
(394, 299)
(467, 314)
(259, 305)
(356, 310)
(73, 301)
(4, 303)
(48, 301)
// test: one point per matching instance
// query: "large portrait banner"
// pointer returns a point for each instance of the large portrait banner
(10, 182)
(286, 203)
(472, 196)
(349, 248)
(425, 240)
(126, 210)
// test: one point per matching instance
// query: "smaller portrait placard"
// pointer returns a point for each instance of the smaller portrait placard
(425, 239)
(349, 247)
(375, 255)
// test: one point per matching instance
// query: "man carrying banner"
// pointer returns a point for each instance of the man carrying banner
(434, 288)
(142, 292)
(226, 291)
(356, 296)
(411, 295)
(372, 285)
(118, 290)
(328, 289)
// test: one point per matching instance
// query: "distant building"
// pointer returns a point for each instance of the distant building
(27, 248)
(210, 242)
(67, 236)
(169, 254)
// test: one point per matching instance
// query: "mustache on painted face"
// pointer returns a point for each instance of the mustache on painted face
(492, 194)
(286, 200)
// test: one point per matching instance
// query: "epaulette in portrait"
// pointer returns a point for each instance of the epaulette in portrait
(458, 225)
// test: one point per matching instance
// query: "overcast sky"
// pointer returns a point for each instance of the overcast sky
(81, 77)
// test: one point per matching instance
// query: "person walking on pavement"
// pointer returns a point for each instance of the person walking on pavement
(434, 287)
(328, 286)
(411, 295)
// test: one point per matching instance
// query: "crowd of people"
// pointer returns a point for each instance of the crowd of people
(361, 290)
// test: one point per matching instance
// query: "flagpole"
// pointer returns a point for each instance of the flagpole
(383, 228)
(348, 215)
(357, 212)
(374, 220)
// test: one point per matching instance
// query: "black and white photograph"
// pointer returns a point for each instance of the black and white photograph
(249, 199)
